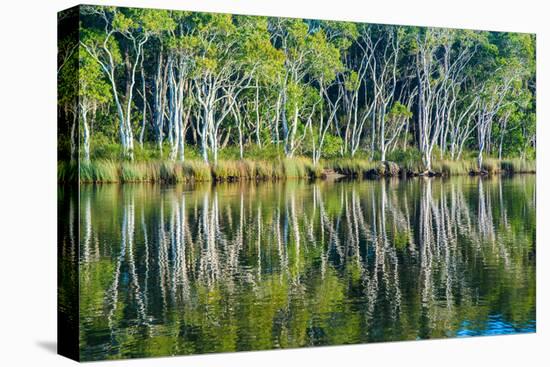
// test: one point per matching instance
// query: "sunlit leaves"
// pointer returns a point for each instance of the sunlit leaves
(122, 23)
(324, 60)
(92, 83)
(282, 65)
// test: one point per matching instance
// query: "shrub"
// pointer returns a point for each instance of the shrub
(268, 151)
(102, 148)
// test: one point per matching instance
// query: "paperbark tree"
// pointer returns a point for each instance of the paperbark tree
(93, 92)
(383, 67)
(135, 26)
(323, 66)
(440, 60)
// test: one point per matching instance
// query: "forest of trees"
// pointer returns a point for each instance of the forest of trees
(148, 84)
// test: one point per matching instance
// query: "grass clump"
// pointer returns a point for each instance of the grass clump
(109, 170)
(453, 168)
(228, 170)
(313, 170)
(292, 168)
(300, 168)
(196, 170)
(135, 172)
(67, 171)
(353, 167)
(263, 170)
(410, 160)
(171, 172)
(99, 171)
(248, 169)
(491, 165)
(518, 165)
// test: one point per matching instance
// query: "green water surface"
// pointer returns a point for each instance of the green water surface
(170, 270)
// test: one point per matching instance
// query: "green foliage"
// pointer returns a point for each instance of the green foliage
(352, 167)
(300, 168)
(266, 152)
(409, 159)
(134, 172)
(67, 171)
(332, 146)
(103, 148)
(99, 171)
(491, 165)
(518, 165)
(399, 110)
(324, 60)
(324, 295)
(454, 168)
(302, 69)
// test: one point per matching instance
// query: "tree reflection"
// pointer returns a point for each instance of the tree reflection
(241, 267)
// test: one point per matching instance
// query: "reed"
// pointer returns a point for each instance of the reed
(135, 172)
(353, 167)
(98, 171)
(518, 165)
(228, 170)
(491, 165)
(67, 171)
(453, 167)
(300, 167)
(195, 170)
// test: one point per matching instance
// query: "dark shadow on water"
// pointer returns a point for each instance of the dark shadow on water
(48, 345)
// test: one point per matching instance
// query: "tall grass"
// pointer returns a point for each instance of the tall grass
(99, 171)
(353, 167)
(195, 170)
(67, 171)
(454, 168)
(107, 170)
(228, 170)
(247, 169)
(518, 165)
(301, 168)
(491, 165)
(157, 171)
(410, 160)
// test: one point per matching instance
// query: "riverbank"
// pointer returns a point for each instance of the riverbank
(110, 171)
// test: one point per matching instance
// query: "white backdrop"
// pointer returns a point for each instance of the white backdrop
(28, 181)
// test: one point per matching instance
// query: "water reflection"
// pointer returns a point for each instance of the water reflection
(180, 270)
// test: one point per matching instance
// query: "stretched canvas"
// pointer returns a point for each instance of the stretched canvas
(236, 183)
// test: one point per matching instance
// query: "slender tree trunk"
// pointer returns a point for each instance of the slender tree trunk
(257, 109)
(144, 108)
(85, 134)
(73, 134)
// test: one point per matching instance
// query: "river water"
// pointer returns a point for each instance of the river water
(182, 269)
